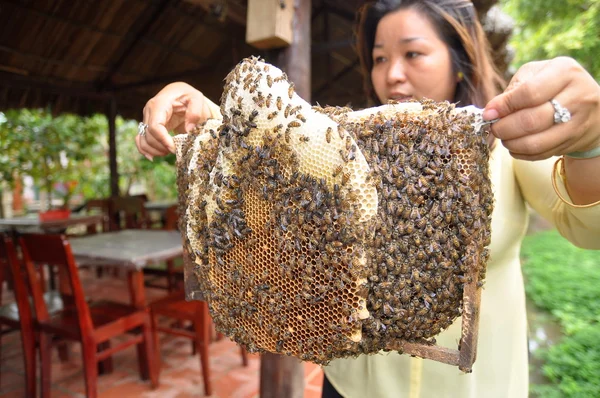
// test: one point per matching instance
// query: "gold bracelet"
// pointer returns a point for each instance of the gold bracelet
(563, 176)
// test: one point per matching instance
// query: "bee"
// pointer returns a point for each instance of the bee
(279, 103)
(253, 115)
(291, 90)
(269, 81)
(345, 178)
(328, 134)
(286, 113)
(300, 117)
(340, 131)
(337, 170)
(277, 128)
(287, 135)
(268, 100)
(271, 115)
(344, 155)
(304, 138)
(293, 123)
(259, 100)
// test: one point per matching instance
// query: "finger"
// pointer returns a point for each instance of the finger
(524, 122)
(148, 150)
(159, 112)
(194, 113)
(152, 141)
(541, 145)
(533, 89)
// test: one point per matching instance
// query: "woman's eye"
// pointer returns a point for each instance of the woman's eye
(412, 54)
(378, 60)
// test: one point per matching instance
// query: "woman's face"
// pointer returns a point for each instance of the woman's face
(410, 60)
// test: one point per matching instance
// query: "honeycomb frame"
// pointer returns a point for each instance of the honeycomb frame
(225, 165)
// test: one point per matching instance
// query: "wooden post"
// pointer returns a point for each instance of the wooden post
(282, 376)
(111, 115)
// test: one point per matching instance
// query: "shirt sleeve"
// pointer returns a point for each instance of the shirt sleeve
(579, 224)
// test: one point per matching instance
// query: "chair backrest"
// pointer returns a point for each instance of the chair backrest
(10, 261)
(55, 250)
(128, 212)
(172, 218)
(101, 206)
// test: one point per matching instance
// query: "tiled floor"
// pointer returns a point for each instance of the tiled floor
(180, 375)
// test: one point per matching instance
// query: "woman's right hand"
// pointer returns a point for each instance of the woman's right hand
(177, 107)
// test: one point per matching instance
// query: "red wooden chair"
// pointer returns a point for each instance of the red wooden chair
(172, 273)
(176, 307)
(128, 212)
(93, 324)
(18, 315)
(100, 206)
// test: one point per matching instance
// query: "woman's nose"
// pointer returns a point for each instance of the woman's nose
(396, 72)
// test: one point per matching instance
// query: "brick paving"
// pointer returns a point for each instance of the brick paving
(180, 375)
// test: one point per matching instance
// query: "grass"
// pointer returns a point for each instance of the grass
(565, 281)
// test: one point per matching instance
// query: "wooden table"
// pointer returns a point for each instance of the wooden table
(159, 206)
(131, 249)
(33, 222)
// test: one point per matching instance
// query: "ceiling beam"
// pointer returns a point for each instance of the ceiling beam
(336, 77)
(163, 79)
(222, 8)
(53, 86)
(141, 27)
(340, 12)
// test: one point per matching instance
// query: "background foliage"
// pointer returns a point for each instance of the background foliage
(68, 147)
(565, 281)
(549, 28)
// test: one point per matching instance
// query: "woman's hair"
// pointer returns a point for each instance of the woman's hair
(458, 26)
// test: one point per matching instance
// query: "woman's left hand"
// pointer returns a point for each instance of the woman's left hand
(526, 126)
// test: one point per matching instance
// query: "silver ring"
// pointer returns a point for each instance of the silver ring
(561, 115)
(142, 129)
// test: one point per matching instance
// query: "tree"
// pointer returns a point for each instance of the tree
(67, 148)
(550, 28)
(46, 147)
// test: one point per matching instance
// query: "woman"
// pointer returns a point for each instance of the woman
(436, 49)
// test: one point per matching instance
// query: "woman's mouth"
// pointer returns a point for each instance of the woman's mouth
(399, 97)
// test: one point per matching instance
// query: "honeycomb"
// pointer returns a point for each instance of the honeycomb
(322, 232)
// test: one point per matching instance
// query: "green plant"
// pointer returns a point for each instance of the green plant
(48, 148)
(565, 280)
(550, 28)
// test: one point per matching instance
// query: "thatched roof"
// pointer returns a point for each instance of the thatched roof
(77, 55)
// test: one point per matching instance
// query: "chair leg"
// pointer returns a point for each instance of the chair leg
(105, 366)
(63, 350)
(244, 356)
(45, 364)
(150, 347)
(202, 328)
(28, 342)
(170, 276)
(143, 359)
(90, 368)
(154, 323)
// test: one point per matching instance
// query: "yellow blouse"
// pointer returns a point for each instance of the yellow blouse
(501, 368)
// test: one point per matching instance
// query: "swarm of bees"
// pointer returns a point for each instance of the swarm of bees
(324, 233)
